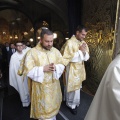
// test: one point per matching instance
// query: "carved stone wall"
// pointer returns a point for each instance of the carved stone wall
(99, 17)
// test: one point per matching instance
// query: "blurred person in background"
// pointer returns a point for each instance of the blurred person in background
(16, 81)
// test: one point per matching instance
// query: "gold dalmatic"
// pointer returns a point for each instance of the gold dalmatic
(77, 72)
(46, 97)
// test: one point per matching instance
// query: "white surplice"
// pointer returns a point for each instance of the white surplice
(37, 73)
(25, 50)
(73, 98)
(17, 81)
(106, 102)
(53, 118)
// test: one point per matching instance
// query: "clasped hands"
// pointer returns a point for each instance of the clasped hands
(83, 48)
(49, 68)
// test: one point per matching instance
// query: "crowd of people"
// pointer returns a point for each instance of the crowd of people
(35, 72)
(6, 51)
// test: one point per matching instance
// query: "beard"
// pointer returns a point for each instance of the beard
(46, 47)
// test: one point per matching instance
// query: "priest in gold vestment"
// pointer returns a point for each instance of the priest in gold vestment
(43, 65)
(75, 51)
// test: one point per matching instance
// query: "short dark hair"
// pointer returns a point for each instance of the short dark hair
(80, 28)
(45, 31)
(6, 43)
(18, 42)
(12, 43)
(23, 42)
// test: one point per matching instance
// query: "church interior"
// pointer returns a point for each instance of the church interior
(22, 20)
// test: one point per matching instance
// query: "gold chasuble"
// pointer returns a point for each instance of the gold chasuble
(46, 97)
(77, 72)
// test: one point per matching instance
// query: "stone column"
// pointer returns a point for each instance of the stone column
(117, 31)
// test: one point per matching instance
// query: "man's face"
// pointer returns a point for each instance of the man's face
(27, 43)
(47, 41)
(19, 47)
(81, 35)
(7, 44)
(12, 46)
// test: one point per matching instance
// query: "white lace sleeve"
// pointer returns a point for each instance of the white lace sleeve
(36, 74)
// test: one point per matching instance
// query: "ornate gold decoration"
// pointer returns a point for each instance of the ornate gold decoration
(100, 20)
(4, 31)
